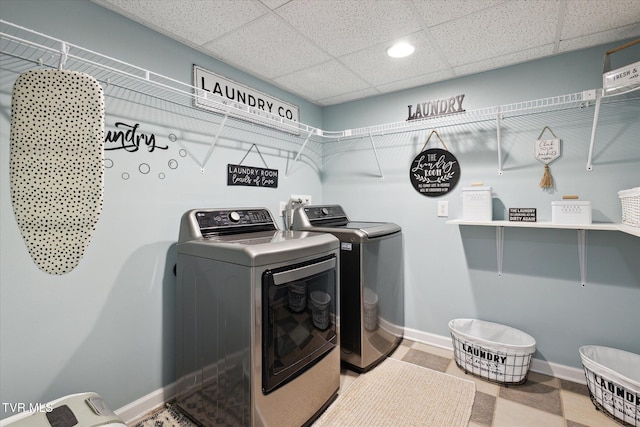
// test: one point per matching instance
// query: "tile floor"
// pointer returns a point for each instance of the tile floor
(543, 401)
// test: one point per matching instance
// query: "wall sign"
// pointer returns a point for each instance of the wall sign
(251, 176)
(546, 151)
(522, 214)
(438, 107)
(434, 172)
(232, 93)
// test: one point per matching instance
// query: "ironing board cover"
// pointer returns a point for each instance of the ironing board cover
(56, 164)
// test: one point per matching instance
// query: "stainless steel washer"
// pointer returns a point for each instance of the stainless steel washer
(257, 334)
(371, 282)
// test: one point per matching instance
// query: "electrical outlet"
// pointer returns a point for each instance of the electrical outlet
(443, 208)
(283, 206)
(306, 199)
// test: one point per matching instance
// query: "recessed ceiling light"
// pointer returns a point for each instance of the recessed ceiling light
(400, 50)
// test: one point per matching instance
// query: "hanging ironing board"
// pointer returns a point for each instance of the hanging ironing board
(56, 164)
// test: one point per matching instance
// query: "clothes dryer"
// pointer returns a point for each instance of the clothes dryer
(257, 333)
(371, 282)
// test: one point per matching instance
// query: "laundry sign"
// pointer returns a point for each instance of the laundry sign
(216, 87)
(251, 176)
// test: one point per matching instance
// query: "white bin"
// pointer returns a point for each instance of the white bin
(613, 379)
(492, 351)
(477, 204)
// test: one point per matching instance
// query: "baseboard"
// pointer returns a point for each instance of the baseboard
(135, 411)
(540, 366)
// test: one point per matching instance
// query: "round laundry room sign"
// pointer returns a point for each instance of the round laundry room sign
(434, 172)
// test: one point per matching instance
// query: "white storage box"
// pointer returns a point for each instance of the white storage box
(492, 351)
(574, 212)
(613, 379)
(630, 200)
(476, 204)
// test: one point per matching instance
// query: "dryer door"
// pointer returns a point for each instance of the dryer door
(299, 319)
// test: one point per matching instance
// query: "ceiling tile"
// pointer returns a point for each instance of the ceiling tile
(584, 17)
(622, 33)
(416, 81)
(360, 94)
(504, 60)
(501, 30)
(267, 48)
(342, 27)
(376, 67)
(193, 21)
(322, 81)
(435, 12)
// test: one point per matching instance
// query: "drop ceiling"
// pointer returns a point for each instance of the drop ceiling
(334, 51)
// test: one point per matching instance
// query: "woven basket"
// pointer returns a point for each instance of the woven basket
(630, 200)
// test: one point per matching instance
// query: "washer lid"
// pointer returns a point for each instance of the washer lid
(262, 248)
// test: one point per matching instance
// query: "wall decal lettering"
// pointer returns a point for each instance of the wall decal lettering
(129, 139)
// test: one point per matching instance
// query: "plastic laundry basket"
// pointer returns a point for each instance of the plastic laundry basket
(492, 351)
(613, 379)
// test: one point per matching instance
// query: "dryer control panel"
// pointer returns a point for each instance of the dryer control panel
(323, 213)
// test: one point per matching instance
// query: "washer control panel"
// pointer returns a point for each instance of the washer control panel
(228, 221)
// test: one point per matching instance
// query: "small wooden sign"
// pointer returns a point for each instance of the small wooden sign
(522, 214)
(252, 176)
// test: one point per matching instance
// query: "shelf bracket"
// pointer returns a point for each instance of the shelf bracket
(593, 129)
(213, 144)
(286, 174)
(375, 153)
(582, 255)
(498, 136)
(499, 248)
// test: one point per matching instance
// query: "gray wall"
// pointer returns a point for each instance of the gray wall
(108, 325)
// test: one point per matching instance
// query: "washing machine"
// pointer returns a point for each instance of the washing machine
(80, 409)
(371, 282)
(257, 332)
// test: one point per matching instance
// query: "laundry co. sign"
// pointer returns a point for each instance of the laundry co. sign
(219, 89)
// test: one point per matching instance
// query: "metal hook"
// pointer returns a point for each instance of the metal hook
(64, 54)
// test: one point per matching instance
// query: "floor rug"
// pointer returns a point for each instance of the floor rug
(398, 393)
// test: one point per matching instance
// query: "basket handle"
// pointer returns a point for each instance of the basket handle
(607, 63)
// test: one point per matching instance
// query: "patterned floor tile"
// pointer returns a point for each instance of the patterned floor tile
(483, 409)
(536, 395)
(427, 360)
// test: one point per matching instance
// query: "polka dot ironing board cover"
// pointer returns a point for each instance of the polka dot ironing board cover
(56, 164)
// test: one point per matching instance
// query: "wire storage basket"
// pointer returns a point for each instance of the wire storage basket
(494, 352)
(613, 379)
(630, 200)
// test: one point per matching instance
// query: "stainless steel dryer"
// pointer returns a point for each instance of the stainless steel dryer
(257, 334)
(371, 282)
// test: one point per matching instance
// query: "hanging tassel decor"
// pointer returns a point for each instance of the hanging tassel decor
(546, 151)
(547, 179)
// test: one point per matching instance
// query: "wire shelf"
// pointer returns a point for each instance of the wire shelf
(21, 48)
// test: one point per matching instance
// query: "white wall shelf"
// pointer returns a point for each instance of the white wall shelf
(580, 228)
